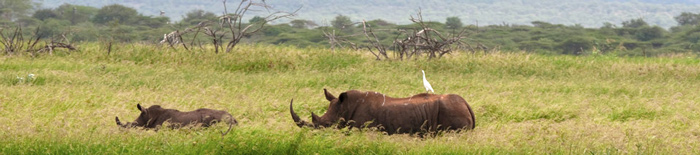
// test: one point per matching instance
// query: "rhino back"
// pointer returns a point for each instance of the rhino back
(394, 114)
(203, 115)
(412, 114)
(418, 113)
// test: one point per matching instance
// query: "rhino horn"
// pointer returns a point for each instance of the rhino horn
(118, 122)
(295, 117)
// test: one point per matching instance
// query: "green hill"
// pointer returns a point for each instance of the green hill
(487, 12)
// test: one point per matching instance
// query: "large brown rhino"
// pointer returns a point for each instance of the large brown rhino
(155, 116)
(416, 114)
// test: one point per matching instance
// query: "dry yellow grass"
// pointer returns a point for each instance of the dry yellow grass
(523, 103)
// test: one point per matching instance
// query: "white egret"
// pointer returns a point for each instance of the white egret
(426, 84)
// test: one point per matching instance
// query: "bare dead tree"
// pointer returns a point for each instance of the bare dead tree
(230, 25)
(234, 21)
(432, 41)
(374, 41)
(174, 38)
(408, 42)
(14, 42)
(374, 44)
(335, 40)
(416, 41)
(217, 38)
(403, 46)
(53, 45)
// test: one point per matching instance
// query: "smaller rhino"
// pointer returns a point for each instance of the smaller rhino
(155, 116)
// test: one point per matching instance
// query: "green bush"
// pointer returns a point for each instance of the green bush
(576, 45)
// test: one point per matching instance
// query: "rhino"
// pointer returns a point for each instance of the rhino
(153, 117)
(420, 113)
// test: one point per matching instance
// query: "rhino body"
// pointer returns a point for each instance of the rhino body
(419, 113)
(155, 116)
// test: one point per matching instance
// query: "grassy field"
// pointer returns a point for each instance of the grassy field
(523, 103)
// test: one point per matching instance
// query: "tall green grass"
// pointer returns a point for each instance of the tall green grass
(524, 103)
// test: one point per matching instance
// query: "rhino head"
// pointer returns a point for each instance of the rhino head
(141, 121)
(332, 115)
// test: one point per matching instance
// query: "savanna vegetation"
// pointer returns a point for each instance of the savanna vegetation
(524, 103)
(540, 89)
(70, 23)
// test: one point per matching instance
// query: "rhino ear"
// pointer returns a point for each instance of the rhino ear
(314, 118)
(342, 97)
(139, 106)
(329, 96)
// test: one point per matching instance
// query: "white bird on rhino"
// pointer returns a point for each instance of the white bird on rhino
(426, 84)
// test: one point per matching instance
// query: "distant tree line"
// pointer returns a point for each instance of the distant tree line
(117, 23)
